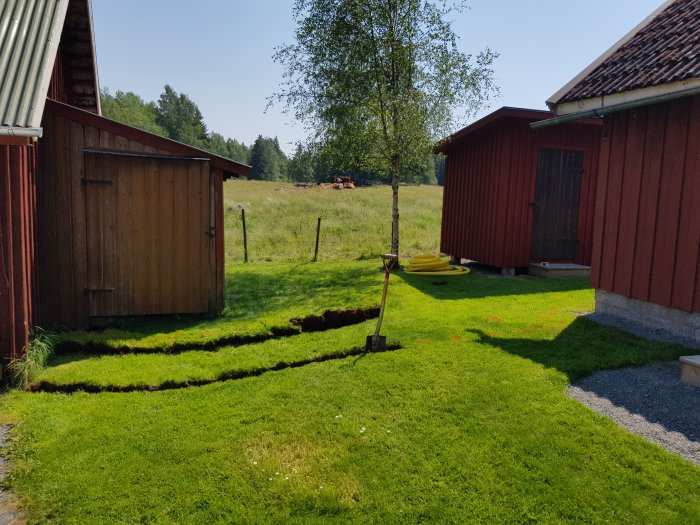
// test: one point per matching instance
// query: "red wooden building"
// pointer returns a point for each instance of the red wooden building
(98, 220)
(646, 241)
(514, 195)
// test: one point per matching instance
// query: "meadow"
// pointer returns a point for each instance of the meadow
(355, 224)
(464, 420)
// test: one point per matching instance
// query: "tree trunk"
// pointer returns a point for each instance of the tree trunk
(395, 207)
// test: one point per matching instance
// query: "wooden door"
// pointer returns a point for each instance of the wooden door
(150, 235)
(556, 205)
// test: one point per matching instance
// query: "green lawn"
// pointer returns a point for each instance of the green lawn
(468, 422)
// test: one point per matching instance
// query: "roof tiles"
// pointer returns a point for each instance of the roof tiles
(666, 50)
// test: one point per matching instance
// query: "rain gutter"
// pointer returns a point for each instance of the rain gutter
(14, 131)
(614, 108)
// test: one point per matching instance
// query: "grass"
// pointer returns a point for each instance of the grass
(281, 224)
(40, 349)
(258, 304)
(355, 224)
(468, 422)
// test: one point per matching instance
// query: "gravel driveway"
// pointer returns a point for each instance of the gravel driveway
(650, 401)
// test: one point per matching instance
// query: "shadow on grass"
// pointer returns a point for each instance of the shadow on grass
(584, 347)
(477, 285)
(67, 351)
(258, 301)
(252, 293)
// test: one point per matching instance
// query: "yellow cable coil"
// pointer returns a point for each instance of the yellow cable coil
(433, 265)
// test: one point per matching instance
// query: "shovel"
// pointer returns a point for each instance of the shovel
(376, 342)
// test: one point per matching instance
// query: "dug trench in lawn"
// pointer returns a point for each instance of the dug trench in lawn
(329, 320)
(234, 375)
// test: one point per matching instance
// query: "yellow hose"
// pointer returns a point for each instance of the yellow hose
(433, 265)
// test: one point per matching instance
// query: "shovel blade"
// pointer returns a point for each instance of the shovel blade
(380, 345)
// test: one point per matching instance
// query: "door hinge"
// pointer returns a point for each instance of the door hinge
(211, 232)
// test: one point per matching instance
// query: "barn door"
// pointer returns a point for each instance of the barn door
(150, 236)
(556, 205)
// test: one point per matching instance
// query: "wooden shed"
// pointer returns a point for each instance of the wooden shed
(514, 195)
(646, 242)
(98, 220)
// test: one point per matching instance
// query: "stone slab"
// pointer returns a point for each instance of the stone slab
(556, 270)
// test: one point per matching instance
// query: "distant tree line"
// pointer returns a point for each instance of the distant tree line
(177, 117)
(174, 116)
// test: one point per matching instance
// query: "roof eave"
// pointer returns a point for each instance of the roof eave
(619, 105)
(495, 116)
(651, 94)
(94, 57)
(235, 168)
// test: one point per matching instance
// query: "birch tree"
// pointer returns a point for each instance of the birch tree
(378, 82)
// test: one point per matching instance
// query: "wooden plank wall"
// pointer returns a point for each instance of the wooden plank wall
(647, 232)
(146, 254)
(219, 283)
(490, 178)
(17, 251)
(67, 220)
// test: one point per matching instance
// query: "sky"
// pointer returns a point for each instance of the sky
(219, 52)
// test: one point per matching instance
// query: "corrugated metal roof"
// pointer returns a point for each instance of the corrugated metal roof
(30, 31)
(665, 50)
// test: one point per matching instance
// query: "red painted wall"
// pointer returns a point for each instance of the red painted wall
(18, 274)
(17, 268)
(647, 232)
(490, 178)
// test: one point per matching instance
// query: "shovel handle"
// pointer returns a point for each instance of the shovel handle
(389, 257)
(388, 266)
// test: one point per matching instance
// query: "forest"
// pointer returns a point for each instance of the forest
(176, 116)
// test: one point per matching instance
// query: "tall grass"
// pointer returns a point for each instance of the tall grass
(355, 224)
(41, 347)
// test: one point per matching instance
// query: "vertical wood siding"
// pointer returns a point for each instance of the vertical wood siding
(143, 231)
(17, 258)
(490, 178)
(647, 234)
(57, 86)
(131, 242)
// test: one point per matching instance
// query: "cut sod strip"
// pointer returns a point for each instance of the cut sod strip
(110, 343)
(85, 372)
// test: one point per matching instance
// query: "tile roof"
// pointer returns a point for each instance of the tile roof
(666, 50)
(30, 31)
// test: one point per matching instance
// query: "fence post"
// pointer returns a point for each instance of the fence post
(318, 234)
(245, 237)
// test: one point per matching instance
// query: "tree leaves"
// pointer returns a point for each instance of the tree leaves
(175, 116)
(378, 82)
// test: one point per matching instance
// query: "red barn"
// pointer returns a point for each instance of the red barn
(98, 220)
(646, 240)
(514, 195)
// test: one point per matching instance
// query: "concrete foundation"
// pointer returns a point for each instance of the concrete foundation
(684, 325)
(690, 370)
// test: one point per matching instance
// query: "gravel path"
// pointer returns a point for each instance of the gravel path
(7, 509)
(649, 401)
